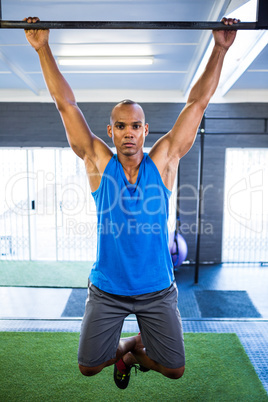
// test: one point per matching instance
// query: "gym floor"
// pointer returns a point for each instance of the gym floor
(42, 309)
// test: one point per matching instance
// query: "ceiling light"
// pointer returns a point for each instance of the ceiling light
(105, 61)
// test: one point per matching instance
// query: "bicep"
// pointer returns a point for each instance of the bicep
(178, 141)
(169, 149)
(77, 130)
(80, 137)
(182, 135)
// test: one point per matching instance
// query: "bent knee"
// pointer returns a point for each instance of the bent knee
(89, 371)
(174, 374)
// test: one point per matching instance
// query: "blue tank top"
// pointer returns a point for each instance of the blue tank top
(132, 236)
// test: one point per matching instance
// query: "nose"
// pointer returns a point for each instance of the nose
(129, 135)
(128, 132)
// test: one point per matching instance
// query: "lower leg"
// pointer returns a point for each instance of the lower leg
(125, 346)
(132, 351)
(138, 355)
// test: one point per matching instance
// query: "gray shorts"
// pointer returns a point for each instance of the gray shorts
(158, 319)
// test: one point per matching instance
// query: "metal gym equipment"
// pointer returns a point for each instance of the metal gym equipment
(261, 23)
(127, 25)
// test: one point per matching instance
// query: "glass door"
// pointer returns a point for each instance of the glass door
(14, 205)
(245, 218)
(42, 200)
(47, 211)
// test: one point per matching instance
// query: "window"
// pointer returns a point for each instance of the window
(46, 208)
(245, 220)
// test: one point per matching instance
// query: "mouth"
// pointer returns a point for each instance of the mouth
(128, 144)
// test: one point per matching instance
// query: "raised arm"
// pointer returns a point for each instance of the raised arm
(167, 151)
(85, 144)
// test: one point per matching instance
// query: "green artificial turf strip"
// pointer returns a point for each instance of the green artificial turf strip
(45, 273)
(38, 366)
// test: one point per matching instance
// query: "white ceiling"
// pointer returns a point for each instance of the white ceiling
(177, 54)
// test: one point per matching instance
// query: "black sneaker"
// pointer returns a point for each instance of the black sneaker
(121, 379)
(143, 369)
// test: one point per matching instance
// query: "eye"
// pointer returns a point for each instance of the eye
(119, 126)
(136, 126)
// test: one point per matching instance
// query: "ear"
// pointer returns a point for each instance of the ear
(109, 130)
(146, 129)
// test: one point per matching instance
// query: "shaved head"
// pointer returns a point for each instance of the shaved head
(123, 103)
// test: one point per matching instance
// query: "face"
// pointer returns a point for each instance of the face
(128, 129)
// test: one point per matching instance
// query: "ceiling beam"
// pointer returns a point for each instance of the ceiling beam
(218, 10)
(247, 49)
(252, 48)
(255, 49)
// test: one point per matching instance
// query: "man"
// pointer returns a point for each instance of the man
(133, 271)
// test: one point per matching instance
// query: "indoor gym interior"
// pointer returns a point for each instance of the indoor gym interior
(47, 220)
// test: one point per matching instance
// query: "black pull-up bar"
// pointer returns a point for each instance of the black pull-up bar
(261, 23)
(130, 25)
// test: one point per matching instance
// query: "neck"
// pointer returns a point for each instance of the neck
(130, 161)
(131, 165)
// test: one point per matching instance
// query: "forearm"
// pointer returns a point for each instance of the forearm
(58, 87)
(207, 84)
